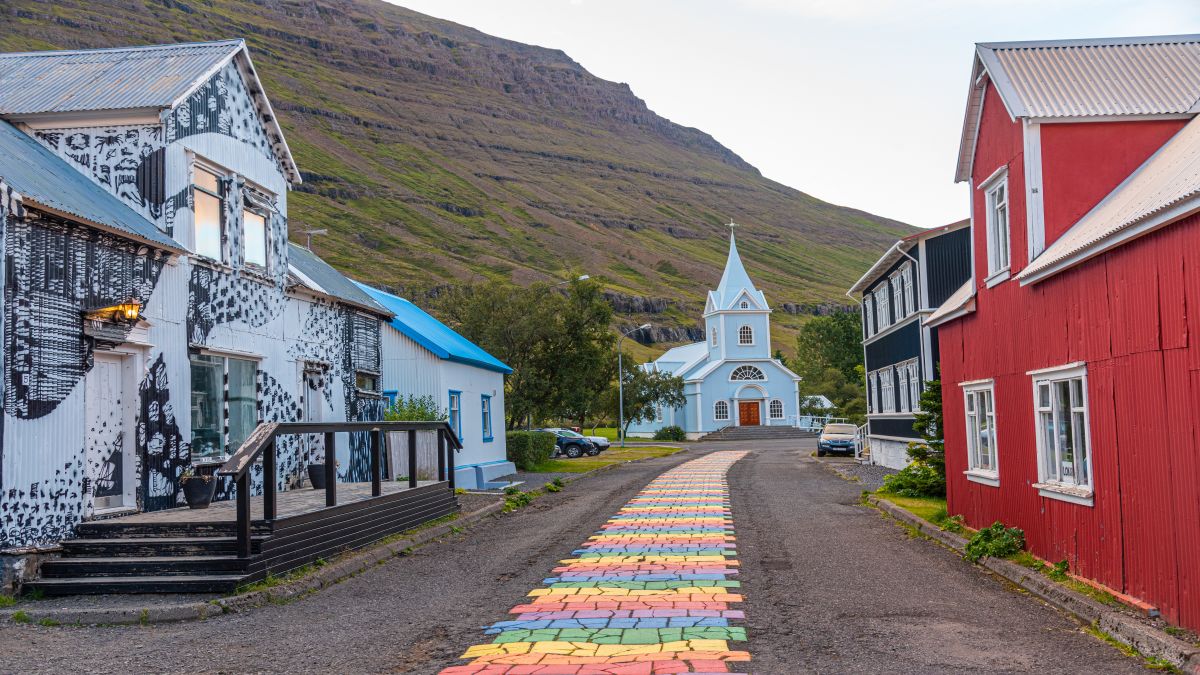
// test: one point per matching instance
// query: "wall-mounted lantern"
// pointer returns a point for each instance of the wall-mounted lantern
(128, 311)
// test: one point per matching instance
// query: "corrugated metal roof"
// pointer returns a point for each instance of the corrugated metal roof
(321, 277)
(1116, 76)
(432, 334)
(43, 178)
(1102, 77)
(1162, 190)
(154, 76)
(960, 302)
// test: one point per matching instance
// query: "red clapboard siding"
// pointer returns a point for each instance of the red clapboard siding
(1133, 316)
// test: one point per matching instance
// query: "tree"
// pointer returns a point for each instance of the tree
(829, 361)
(928, 423)
(645, 393)
(557, 341)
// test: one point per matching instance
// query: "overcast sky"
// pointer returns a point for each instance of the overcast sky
(857, 102)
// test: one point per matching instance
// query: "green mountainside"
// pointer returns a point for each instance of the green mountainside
(437, 155)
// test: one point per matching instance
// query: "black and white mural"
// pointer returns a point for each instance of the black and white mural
(160, 442)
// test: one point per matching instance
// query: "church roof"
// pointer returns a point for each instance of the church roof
(680, 359)
(735, 283)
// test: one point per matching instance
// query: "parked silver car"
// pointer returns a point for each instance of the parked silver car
(837, 438)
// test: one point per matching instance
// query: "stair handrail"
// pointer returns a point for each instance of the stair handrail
(261, 443)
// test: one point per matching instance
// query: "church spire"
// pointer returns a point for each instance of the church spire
(735, 282)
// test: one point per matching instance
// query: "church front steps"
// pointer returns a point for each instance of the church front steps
(757, 433)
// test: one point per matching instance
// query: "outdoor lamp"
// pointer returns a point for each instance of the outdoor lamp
(130, 310)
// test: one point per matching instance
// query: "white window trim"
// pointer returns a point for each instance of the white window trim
(714, 338)
(996, 272)
(760, 372)
(868, 315)
(883, 313)
(1074, 494)
(915, 386)
(716, 406)
(973, 473)
(752, 336)
(887, 391)
(906, 277)
(222, 174)
(903, 404)
(771, 409)
(897, 292)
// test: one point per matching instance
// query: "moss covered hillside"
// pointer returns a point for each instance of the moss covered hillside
(435, 155)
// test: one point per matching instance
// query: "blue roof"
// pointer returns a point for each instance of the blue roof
(45, 179)
(432, 334)
(735, 282)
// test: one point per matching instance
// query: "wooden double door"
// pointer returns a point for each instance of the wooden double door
(748, 414)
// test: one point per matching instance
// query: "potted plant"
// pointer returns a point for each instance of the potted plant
(316, 474)
(198, 489)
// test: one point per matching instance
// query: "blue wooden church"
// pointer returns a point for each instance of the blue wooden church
(730, 378)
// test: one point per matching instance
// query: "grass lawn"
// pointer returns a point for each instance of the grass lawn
(608, 432)
(613, 456)
(932, 509)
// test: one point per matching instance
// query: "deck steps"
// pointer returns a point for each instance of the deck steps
(143, 556)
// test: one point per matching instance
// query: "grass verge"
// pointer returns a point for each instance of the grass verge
(606, 458)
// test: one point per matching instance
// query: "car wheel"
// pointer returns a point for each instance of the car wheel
(573, 451)
(820, 453)
(594, 451)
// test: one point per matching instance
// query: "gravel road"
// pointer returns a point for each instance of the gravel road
(830, 587)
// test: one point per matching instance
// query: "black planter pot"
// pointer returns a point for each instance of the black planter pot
(316, 476)
(199, 492)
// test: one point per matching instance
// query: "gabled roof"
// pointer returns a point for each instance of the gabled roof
(45, 180)
(319, 276)
(898, 251)
(1165, 188)
(155, 77)
(1091, 78)
(679, 360)
(432, 334)
(734, 280)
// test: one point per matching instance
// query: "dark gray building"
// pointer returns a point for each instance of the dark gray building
(915, 276)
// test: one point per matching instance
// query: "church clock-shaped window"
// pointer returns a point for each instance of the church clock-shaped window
(747, 373)
(745, 335)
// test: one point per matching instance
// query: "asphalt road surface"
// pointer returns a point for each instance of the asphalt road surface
(830, 587)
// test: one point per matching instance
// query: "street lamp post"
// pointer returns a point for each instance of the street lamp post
(621, 382)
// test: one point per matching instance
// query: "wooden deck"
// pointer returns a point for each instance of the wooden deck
(291, 503)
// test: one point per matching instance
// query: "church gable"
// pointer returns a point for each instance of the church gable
(745, 301)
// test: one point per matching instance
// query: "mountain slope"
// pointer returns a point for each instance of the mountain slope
(435, 154)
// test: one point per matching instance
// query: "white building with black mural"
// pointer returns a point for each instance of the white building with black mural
(153, 309)
(900, 354)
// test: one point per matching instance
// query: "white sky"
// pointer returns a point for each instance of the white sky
(857, 102)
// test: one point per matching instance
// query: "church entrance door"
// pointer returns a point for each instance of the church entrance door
(748, 413)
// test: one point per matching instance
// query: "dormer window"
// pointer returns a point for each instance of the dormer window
(208, 201)
(745, 335)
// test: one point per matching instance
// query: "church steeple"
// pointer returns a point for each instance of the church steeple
(735, 285)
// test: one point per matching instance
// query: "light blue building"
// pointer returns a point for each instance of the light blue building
(730, 378)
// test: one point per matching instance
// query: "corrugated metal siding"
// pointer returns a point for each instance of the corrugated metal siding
(1102, 79)
(901, 345)
(948, 264)
(409, 368)
(106, 79)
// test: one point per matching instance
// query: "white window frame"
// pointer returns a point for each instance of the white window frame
(979, 408)
(222, 175)
(883, 308)
(1051, 479)
(902, 387)
(998, 219)
(868, 315)
(887, 392)
(718, 406)
(906, 276)
(762, 375)
(771, 409)
(871, 393)
(915, 385)
(743, 331)
(714, 338)
(898, 296)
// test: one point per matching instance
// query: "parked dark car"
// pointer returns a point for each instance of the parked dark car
(601, 443)
(571, 444)
(837, 438)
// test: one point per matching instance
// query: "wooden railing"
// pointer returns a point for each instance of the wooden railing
(261, 444)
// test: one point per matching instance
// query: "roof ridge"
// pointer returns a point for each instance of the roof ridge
(44, 53)
(1132, 40)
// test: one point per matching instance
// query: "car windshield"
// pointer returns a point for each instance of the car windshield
(840, 429)
(569, 434)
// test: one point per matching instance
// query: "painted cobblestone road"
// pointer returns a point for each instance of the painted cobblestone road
(649, 593)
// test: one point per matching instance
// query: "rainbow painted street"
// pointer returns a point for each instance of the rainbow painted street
(650, 593)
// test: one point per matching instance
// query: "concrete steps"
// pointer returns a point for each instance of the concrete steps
(755, 433)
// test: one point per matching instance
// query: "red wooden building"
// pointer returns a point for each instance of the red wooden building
(1070, 363)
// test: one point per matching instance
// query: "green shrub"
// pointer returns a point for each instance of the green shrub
(551, 487)
(995, 541)
(670, 434)
(916, 480)
(414, 409)
(527, 449)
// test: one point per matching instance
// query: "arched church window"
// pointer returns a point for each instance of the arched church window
(745, 335)
(745, 305)
(721, 410)
(776, 409)
(747, 373)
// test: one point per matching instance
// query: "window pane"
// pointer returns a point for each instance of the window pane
(985, 442)
(207, 180)
(1065, 435)
(1077, 400)
(1049, 465)
(365, 381)
(207, 405)
(1044, 395)
(243, 416)
(255, 228)
(208, 225)
(1082, 477)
